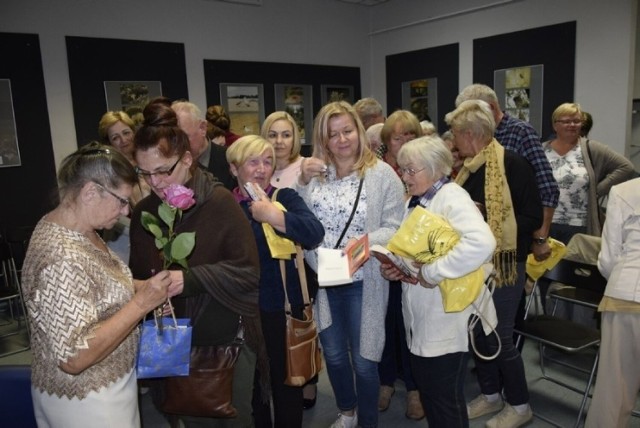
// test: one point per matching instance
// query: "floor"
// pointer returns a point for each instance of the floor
(547, 398)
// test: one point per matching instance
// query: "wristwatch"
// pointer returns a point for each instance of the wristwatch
(540, 240)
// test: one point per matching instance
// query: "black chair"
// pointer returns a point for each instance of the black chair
(13, 300)
(16, 405)
(564, 335)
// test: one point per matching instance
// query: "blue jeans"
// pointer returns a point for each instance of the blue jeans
(344, 335)
(395, 355)
(507, 370)
(440, 381)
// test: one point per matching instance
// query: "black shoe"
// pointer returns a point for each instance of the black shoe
(308, 403)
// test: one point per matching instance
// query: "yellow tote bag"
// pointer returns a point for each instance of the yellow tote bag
(279, 246)
(424, 237)
(536, 269)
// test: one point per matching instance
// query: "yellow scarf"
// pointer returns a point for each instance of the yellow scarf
(499, 207)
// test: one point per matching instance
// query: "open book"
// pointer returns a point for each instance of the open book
(387, 257)
(336, 267)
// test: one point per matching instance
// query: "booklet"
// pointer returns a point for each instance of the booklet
(336, 267)
(387, 257)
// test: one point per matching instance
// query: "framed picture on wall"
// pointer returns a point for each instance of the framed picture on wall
(421, 98)
(297, 101)
(519, 91)
(130, 97)
(331, 93)
(9, 149)
(244, 102)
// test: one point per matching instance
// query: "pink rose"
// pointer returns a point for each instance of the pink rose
(179, 197)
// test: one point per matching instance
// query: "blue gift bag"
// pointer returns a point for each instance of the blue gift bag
(165, 348)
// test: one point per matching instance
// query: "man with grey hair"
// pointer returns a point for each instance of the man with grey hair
(209, 156)
(520, 137)
(370, 111)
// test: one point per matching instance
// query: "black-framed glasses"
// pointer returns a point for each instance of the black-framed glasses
(123, 201)
(162, 173)
(410, 171)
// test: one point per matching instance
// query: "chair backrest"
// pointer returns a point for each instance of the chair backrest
(578, 275)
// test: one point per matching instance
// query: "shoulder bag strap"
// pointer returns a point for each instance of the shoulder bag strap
(353, 211)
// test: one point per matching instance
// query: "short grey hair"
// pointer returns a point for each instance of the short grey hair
(477, 91)
(474, 116)
(428, 152)
(188, 107)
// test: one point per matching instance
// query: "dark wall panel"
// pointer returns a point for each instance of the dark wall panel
(554, 46)
(441, 62)
(92, 61)
(27, 190)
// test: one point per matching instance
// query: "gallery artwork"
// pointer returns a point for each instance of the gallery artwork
(131, 97)
(9, 149)
(332, 93)
(420, 97)
(245, 106)
(296, 100)
(519, 90)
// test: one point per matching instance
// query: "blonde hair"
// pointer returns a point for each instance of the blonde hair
(365, 156)
(566, 109)
(109, 119)
(406, 119)
(474, 116)
(245, 147)
(283, 115)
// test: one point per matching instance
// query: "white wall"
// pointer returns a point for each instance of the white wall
(334, 33)
(295, 31)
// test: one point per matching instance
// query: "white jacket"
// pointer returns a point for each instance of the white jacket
(619, 258)
(430, 331)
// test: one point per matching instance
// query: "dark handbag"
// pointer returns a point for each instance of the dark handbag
(208, 390)
(164, 347)
(303, 359)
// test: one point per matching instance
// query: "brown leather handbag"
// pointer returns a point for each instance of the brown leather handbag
(302, 350)
(207, 391)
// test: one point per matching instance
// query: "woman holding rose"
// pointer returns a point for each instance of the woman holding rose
(221, 284)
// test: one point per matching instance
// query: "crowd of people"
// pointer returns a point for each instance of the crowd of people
(88, 284)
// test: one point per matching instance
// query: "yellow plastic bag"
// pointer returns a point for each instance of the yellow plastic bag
(280, 247)
(536, 269)
(424, 237)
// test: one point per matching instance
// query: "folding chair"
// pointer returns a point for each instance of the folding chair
(11, 294)
(565, 335)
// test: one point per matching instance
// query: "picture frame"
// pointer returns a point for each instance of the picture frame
(9, 148)
(244, 103)
(420, 97)
(331, 93)
(131, 96)
(520, 92)
(297, 100)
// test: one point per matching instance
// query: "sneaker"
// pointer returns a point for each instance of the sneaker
(414, 406)
(509, 418)
(480, 406)
(384, 399)
(345, 421)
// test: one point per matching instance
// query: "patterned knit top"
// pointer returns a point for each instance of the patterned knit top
(70, 288)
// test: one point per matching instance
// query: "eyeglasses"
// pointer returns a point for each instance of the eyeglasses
(123, 201)
(163, 173)
(570, 122)
(410, 171)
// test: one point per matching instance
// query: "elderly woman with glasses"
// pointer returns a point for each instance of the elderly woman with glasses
(221, 284)
(83, 304)
(437, 340)
(585, 171)
(502, 184)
